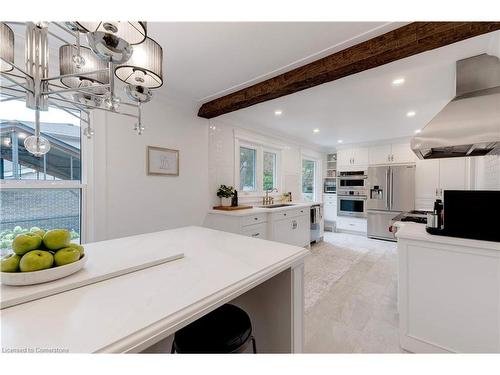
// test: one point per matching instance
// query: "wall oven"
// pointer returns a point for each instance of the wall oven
(351, 203)
(352, 180)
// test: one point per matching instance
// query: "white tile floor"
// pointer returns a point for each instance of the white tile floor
(351, 286)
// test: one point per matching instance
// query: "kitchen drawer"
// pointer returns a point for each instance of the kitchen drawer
(253, 219)
(352, 224)
(255, 230)
(290, 213)
(330, 198)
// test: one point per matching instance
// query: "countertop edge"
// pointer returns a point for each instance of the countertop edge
(410, 231)
(155, 332)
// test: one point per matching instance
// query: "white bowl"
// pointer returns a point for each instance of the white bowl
(43, 276)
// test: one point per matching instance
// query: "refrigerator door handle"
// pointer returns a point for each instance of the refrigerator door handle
(392, 188)
(387, 202)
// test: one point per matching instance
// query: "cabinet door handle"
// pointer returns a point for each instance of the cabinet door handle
(294, 224)
(284, 214)
(388, 157)
(256, 218)
(255, 234)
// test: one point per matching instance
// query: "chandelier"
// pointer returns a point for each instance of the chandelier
(86, 79)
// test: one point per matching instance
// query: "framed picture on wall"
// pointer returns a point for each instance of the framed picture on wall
(162, 161)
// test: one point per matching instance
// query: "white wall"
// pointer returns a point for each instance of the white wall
(124, 200)
(222, 133)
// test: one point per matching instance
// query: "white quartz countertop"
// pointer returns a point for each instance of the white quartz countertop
(131, 312)
(414, 231)
(260, 210)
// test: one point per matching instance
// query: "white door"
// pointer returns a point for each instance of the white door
(379, 154)
(360, 156)
(330, 210)
(426, 183)
(452, 174)
(402, 153)
(344, 158)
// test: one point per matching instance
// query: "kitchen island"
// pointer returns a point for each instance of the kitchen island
(448, 292)
(141, 310)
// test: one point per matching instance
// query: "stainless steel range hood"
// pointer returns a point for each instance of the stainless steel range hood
(470, 124)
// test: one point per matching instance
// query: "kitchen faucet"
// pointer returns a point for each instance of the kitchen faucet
(267, 199)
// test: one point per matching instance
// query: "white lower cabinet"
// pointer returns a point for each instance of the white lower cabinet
(351, 224)
(255, 230)
(291, 226)
(293, 231)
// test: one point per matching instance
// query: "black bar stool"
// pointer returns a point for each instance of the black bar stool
(225, 330)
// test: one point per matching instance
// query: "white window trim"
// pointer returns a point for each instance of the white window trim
(260, 147)
(86, 165)
(317, 175)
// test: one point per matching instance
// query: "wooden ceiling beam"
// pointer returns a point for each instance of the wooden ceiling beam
(409, 40)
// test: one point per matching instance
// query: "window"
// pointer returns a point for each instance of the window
(270, 161)
(308, 180)
(248, 164)
(257, 167)
(43, 192)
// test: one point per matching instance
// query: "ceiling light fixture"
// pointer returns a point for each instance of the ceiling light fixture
(411, 114)
(340, 141)
(315, 130)
(278, 112)
(418, 131)
(6, 48)
(398, 81)
(86, 73)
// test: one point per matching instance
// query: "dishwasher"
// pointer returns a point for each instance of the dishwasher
(316, 216)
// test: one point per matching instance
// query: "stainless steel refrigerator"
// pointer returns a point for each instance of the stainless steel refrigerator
(391, 191)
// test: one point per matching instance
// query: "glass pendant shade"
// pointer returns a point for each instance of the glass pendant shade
(6, 47)
(131, 32)
(67, 65)
(37, 145)
(112, 40)
(145, 66)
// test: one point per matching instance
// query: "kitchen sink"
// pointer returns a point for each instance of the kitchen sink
(278, 205)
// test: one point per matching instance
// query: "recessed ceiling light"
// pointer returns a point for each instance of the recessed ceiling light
(411, 114)
(418, 131)
(398, 81)
(315, 130)
(278, 112)
(340, 141)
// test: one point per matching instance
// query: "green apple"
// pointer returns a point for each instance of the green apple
(36, 260)
(56, 239)
(10, 262)
(66, 256)
(26, 242)
(78, 247)
(38, 231)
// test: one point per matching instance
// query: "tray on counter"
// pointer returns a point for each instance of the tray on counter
(231, 208)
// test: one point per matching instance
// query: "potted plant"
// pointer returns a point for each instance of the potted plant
(225, 193)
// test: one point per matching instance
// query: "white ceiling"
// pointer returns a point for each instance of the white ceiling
(367, 107)
(205, 60)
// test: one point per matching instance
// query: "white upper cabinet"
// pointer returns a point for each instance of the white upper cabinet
(380, 154)
(352, 157)
(434, 176)
(397, 153)
(426, 181)
(452, 174)
(402, 153)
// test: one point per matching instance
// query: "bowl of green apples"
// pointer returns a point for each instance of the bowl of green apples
(41, 256)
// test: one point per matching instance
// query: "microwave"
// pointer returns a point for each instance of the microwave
(353, 180)
(330, 186)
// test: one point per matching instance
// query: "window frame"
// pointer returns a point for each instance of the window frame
(276, 167)
(316, 162)
(260, 148)
(86, 157)
(238, 166)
